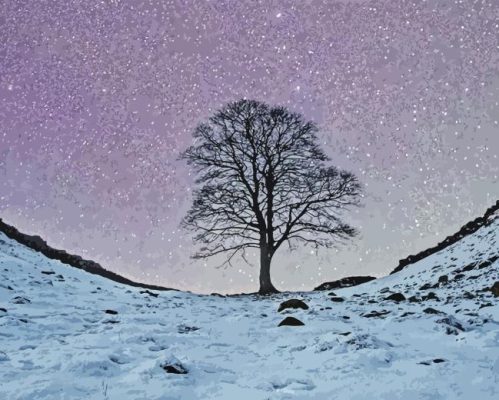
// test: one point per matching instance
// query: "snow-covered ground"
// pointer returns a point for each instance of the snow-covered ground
(57, 341)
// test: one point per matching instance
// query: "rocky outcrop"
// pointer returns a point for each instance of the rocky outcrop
(466, 230)
(38, 244)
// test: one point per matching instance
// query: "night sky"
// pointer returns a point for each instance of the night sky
(97, 99)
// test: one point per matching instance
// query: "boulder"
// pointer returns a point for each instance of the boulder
(291, 321)
(396, 297)
(292, 303)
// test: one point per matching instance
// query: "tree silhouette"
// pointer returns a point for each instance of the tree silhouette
(263, 182)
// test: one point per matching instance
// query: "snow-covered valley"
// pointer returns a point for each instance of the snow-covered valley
(430, 331)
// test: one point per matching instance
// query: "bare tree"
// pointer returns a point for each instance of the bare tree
(263, 182)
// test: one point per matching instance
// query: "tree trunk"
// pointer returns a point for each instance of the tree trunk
(266, 286)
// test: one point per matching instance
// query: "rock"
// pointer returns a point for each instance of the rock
(48, 272)
(406, 314)
(331, 294)
(438, 360)
(396, 297)
(376, 314)
(20, 300)
(292, 303)
(426, 286)
(345, 282)
(414, 299)
(173, 366)
(291, 321)
(430, 296)
(112, 312)
(149, 293)
(442, 280)
(468, 267)
(452, 324)
(186, 329)
(495, 289)
(430, 310)
(459, 276)
(3, 309)
(337, 299)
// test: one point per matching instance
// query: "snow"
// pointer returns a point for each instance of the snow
(58, 342)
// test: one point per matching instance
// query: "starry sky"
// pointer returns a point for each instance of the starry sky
(97, 99)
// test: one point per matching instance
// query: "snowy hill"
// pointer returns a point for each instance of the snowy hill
(430, 331)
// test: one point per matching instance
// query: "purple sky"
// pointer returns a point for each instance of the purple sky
(98, 98)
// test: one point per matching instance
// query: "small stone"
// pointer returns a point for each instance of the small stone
(337, 299)
(430, 310)
(174, 366)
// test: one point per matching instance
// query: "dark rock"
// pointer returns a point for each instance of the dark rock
(414, 299)
(291, 321)
(337, 299)
(459, 276)
(430, 310)
(187, 329)
(20, 300)
(345, 317)
(486, 305)
(438, 360)
(495, 289)
(443, 279)
(149, 293)
(406, 314)
(345, 282)
(48, 272)
(430, 296)
(453, 323)
(396, 297)
(468, 267)
(376, 314)
(426, 286)
(174, 366)
(3, 309)
(292, 303)
(331, 294)
(112, 312)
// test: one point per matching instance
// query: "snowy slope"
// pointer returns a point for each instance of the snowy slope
(57, 341)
